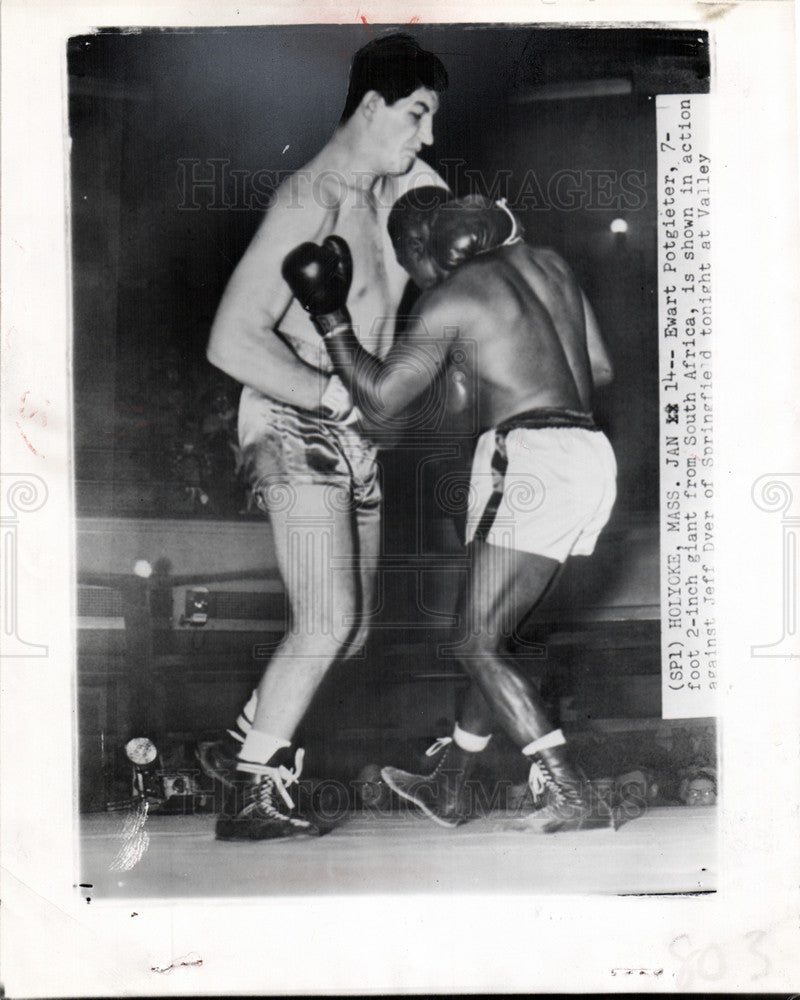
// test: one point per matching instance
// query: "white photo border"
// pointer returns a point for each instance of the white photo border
(742, 938)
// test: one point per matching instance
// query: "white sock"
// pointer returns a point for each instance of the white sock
(547, 742)
(245, 720)
(259, 747)
(469, 741)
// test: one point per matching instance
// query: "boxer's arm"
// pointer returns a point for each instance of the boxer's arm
(600, 362)
(381, 389)
(243, 342)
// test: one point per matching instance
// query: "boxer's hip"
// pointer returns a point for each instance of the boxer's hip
(282, 444)
(544, 482)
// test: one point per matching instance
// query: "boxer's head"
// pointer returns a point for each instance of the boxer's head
(395, 84)
(467, 227)
(434, 234)
(409, 228)
(394, 67)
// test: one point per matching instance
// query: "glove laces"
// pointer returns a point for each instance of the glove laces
(514, 236)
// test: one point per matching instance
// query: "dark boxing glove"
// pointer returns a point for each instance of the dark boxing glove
(465, 227)
(320, 278)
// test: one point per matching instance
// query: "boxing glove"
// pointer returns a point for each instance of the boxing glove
(464, 228)
(320, 278)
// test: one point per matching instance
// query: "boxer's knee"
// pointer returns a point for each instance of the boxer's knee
(483, 642)
(319, 646)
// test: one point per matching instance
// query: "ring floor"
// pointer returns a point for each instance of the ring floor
(666, 850)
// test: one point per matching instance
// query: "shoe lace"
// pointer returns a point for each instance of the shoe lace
(437, 745)
(538, 781)
(279, 779)
(541, 781)
(442, 743)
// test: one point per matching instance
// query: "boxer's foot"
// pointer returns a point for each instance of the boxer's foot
(218, 760)
(562, 799)
(441, 795)
(257, 806)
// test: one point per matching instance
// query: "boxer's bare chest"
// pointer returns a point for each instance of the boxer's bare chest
(373, 298)
(378, 280)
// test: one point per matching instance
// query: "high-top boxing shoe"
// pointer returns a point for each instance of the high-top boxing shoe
(441, 795)
(561, 799)
(257, 804)
(218, 759)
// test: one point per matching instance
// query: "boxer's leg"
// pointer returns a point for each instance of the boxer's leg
(504, 587)
(475, 714)
(317, 551)
(368, 537)
(443, 793)
(316, 546)
(501, 588)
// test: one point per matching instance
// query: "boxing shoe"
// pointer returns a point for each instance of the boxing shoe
(441, 795)
(218, 759)
(561, 799)
(257, 804)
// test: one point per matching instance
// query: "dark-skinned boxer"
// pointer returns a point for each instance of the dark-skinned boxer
(543, 477)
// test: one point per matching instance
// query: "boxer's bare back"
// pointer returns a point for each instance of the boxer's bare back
(528, 335)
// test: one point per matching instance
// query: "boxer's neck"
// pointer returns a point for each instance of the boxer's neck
(352, 154)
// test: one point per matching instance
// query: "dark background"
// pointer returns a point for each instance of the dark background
(149, 269)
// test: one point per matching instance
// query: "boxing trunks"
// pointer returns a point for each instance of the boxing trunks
(284, 447)
(544, 482)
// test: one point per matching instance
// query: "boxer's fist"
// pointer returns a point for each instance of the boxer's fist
(336, 401)
(465, 227)
(320, 277)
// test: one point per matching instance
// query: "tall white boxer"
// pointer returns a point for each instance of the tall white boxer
(311, 466)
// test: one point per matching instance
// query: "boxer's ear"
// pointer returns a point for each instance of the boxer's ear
(370, 104)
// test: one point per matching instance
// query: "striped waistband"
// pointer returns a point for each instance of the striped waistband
(547, 416)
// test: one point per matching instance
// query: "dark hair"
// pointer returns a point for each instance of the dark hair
(414, 207)
(394, 66)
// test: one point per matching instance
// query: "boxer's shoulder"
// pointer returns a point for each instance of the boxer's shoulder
(301, 209)
(298, 189)
(454, 304)
(420, 175)
(549, 260)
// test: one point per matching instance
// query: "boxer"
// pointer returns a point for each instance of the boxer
(543, 476)
(311, 466)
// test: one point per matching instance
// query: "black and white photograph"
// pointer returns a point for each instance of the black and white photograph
(395, 501)
(367, 461)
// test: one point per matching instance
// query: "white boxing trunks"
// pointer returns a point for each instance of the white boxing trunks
(544, 482)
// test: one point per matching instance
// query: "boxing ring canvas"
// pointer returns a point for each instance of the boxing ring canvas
(598, 139)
